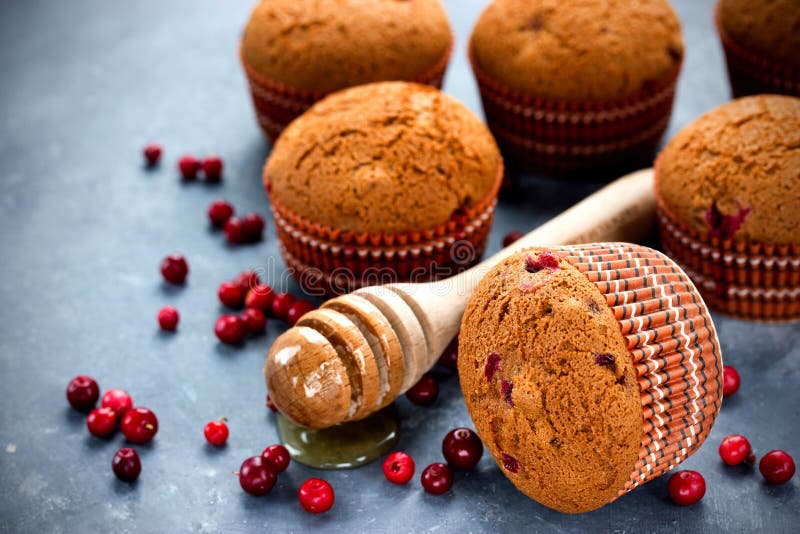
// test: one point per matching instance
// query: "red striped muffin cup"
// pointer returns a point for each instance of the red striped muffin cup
(752, 74)
(673, 343)
(559, 136)
(277, 104)
(334, 261)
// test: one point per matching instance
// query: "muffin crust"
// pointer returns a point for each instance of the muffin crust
(770, 28)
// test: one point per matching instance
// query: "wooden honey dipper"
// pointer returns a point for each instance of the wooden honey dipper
(358, 352)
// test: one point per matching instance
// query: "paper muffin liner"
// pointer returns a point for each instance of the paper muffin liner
(338, 262)
(276, 104)
(559, 136)
(753, 74)
(674, 346)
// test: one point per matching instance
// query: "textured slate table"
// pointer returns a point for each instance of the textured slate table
(85, 85)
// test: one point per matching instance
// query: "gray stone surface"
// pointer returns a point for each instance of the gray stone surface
(85, 84)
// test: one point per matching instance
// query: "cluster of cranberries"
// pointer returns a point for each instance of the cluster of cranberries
(138, 425)
(246, 229)
(188, 165)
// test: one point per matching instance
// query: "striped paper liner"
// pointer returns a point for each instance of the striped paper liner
(277, 104)
(752, 74)
(558, 137)
(674, 347)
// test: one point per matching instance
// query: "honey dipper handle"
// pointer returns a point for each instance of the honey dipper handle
(624, 210)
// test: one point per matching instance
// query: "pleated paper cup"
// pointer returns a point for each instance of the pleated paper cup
(752, 74)
(276, 104)
(674, 346)
(561, 137)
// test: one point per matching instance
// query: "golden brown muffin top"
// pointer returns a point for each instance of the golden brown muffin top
(577, 50)
(383, 158)
(770, 28)
(550, 383)
(325, 45)
(735, 171)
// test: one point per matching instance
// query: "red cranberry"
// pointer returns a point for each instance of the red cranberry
(777, 467)
(449, 357)
(212, 168)
(510, 237)
(398, 467)
(510, 463)
(230, 329)
(101, 422)
(491, 367)
(735, 449)
(281, 304)
(139, 425)
(174, 269)
(231, 294)
(188, 165)
(277, 456)
(118, 400)
(126, 465)
(297, 310)
(260, 298)
(219, 212)
(545, 260)
(247, 279)
(254, 320)
(604, 359)
(686, 487)
(437, 478)
(168, 318)
(506, 388)
(271, 405)
(462, 448)
(152, 153)
(730, 380)
(216, 432)
(316, 496)
(82, 393)
(424, 392)
(256, 476)
(234, 231)
(253, 227)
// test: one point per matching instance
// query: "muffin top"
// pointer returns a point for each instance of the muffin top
(578, 50)
(383, 158)
(550, 383)
(770, 28)
(325, 45)
(735, 171)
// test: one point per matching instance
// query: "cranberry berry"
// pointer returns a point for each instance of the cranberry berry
(118, 400)
(777, 467)
(730, 380)
(188, 166)
(253, 227)
(230, 329)
(281, 304)
(174, 269)
(216, 432)
(316, 496)
(126, 465)
(424, 392)
(271, 405)
(139, 425)
(735, 449)
(168, 318)
(231, 294)
(462, 448)
(398, 467)
(449, 357)
(260, 298)
(82, 393)
(235, 231)
(101, 422)
(277, 456)
(152, 153)
(212, 168)
(254, 321)
(219, 212)
(297, 310)
(511, 237)
(686, 487)
(256, 476)
(247, 279)
(437, 478)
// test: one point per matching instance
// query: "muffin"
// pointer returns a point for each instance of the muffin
(588, 370)
(728, 194)
(383, 182)
(295, 52)
(761, 39)
(573, 86)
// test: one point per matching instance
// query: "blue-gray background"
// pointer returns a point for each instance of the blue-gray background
(85, 84)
